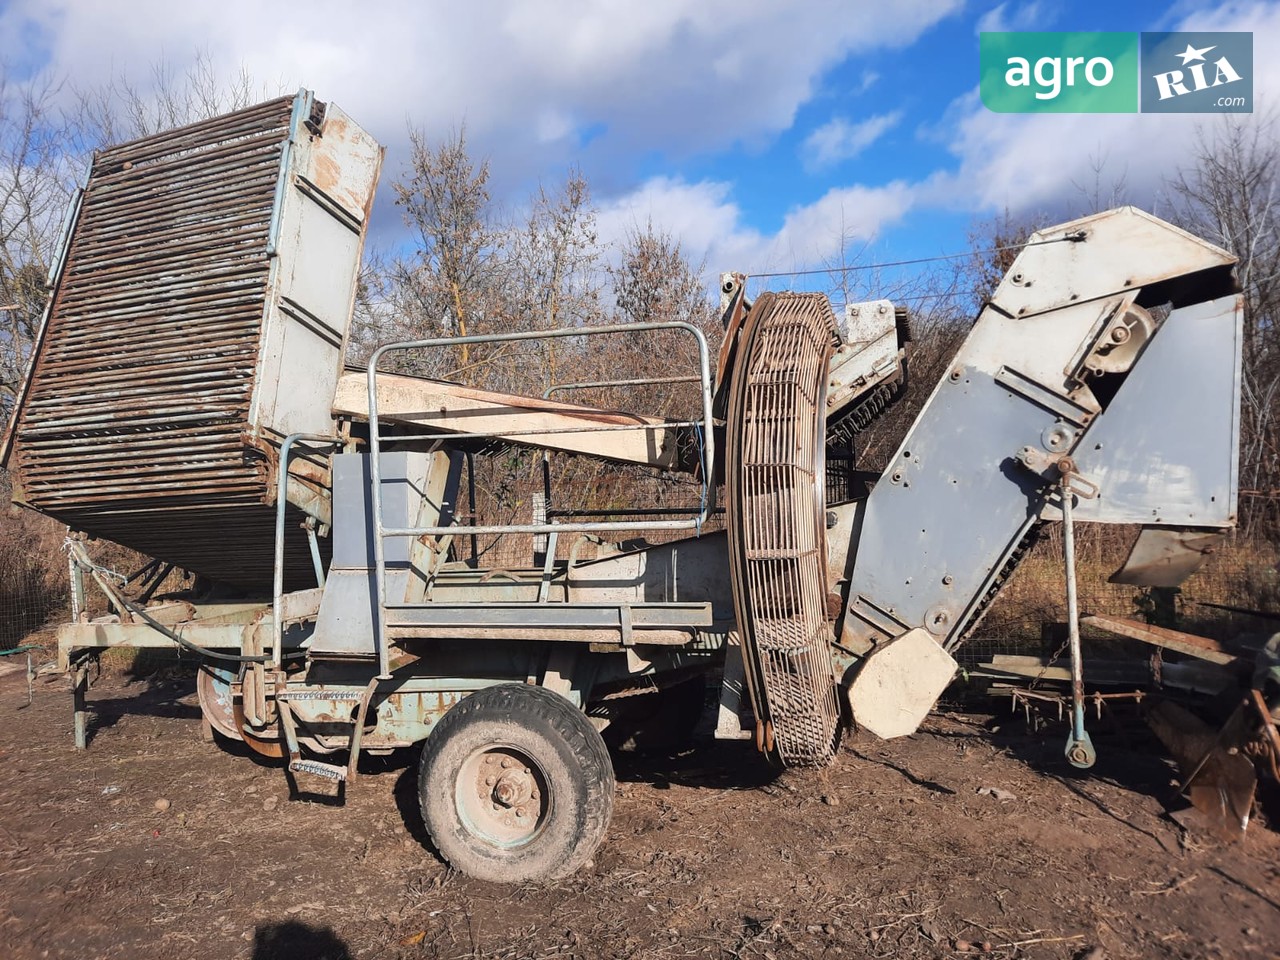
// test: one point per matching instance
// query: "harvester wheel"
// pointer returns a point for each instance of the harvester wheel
(213, 690)
(515, 785)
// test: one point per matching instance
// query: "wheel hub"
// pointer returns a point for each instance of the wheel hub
(502, 796)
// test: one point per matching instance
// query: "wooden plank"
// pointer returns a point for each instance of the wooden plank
(451, 408)
(1201, 647)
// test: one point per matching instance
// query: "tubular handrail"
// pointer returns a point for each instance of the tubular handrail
(704, 428)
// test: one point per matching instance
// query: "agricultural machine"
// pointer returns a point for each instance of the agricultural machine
(188, 399)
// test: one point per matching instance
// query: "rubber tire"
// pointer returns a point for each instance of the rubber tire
(571, 757)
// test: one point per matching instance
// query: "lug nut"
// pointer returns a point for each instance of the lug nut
(506, 763)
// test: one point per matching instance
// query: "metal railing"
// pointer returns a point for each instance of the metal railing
(282, 492)
(703, 427)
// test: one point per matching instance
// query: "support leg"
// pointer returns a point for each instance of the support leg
(80, 715)
(1079, 751)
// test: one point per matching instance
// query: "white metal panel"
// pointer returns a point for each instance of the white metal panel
(330, 172)
(1165, 450)
(1119, 250)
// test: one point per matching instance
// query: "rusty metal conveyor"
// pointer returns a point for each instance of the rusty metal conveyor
(195, 262)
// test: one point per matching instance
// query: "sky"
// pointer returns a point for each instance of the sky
(764, 135)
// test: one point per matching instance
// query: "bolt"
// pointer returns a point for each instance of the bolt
(1119, 334)
(488, 781)
(506, 763)
(505, 793)
(519, 811)
(496, 807)
(534, 794)
(947, 580)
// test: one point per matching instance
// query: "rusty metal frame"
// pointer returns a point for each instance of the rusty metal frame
(638, 382)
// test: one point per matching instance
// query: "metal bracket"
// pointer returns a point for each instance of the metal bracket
(357, 733)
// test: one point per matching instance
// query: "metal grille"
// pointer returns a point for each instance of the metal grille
(775, 483)
(132, 423)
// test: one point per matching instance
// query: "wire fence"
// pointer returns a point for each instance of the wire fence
(34, 581)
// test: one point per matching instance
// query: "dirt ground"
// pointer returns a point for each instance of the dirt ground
(889, 852)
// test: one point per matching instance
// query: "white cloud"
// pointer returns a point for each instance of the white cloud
(540, 84)
(532, 79)
(838, 140)
(1036, 15)
(702, 216)
(1053, 163)
(709, 225)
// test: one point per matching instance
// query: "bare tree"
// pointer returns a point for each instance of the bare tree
(1229, 195)
(446, 203)
(37, 180)
(552, 271)
(654, 281)
(1103, 192)
(121, 109)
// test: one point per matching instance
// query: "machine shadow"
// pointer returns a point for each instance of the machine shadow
(1129, 756)
(159, 698)
(293, 940)
(706, 764)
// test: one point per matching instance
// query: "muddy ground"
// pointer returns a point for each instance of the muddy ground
(889, 852)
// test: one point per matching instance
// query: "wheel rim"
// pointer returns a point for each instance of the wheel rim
(213, 689)
(502, 797)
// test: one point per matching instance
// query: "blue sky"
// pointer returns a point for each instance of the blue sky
(758, 132)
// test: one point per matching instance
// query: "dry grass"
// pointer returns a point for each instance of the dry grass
(1242, 574)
